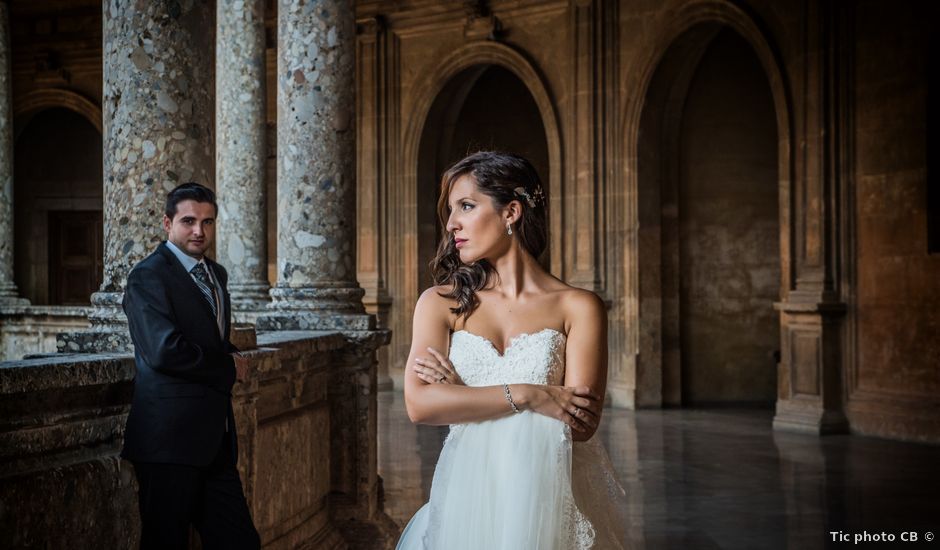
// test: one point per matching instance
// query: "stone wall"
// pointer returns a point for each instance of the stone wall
(31, 330)
(845, 167)
(307, 444)
(893, 366)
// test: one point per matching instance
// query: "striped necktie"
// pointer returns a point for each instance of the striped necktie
(205, 286)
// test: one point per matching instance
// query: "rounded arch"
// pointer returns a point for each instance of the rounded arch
(436, 77)
(688, 29)
(684, 19)
(31, 103)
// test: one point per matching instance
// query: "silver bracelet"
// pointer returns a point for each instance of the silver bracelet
(508, 395)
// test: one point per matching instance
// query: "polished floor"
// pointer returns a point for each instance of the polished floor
(722, 478)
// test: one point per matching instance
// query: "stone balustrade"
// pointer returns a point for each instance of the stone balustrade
(307, 446)
(31, 330)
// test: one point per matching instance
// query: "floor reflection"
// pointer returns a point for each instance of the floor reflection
(717, 478)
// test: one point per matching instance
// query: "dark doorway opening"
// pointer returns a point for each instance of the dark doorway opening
(75, 256)
(709, 226)
(57, 207)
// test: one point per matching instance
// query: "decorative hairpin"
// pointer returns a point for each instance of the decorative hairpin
(533, 201)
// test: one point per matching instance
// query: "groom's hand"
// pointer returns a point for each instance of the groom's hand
(241, 367)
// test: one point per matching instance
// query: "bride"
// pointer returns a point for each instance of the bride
(515, 361)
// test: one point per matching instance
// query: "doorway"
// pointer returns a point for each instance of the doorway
(57, 207)
(484, 107)
(709, 258)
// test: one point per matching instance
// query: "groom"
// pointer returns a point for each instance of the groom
(180, 432)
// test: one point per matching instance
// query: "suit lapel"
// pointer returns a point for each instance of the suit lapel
(185, 281)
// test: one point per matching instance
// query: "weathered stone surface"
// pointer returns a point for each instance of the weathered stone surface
(61, 424)
(29, 330)
(158, 131)
(316, 168)
(241, 151)
(8, 291)
(310, 320)
(307, 442)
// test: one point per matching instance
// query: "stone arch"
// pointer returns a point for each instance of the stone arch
(38, 100)
(689, 28)
(487, 53)
(428, 86)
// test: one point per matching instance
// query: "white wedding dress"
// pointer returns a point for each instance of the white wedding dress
(518, 482)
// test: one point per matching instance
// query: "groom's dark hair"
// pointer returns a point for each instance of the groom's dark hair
(191, 191)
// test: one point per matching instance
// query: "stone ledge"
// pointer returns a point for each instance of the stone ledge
(44, 311)
(324, 340)
(305, 417)
(64, 371)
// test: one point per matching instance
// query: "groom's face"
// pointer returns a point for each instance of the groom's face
(192, 229)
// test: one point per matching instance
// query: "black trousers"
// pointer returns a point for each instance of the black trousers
(174, 496)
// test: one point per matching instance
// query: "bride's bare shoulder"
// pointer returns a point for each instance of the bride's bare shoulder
(434, 303)
(579, 304)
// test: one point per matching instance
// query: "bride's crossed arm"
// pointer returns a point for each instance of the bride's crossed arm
(586, 349)
(441, 404)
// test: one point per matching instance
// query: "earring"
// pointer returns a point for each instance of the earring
(509, 229)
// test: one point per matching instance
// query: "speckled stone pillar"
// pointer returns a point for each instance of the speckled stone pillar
(240, 153)
(316, 147)
(157, 114)
(8, 292)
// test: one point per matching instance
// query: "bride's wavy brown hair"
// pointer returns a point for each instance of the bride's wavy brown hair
(499, 176)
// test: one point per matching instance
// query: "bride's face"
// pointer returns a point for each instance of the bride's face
(475, 223)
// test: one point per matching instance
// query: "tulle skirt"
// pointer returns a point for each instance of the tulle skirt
(518, 482)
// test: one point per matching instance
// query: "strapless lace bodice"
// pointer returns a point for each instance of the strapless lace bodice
(509, 482)
(536, 358)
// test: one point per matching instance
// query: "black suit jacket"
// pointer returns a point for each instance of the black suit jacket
(182, 391)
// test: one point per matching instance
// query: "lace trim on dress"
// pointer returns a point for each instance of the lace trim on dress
(474, 500)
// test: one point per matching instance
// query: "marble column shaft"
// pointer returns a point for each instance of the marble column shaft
(316, 147)
(8, 292)
(240, 151)
(157, 117)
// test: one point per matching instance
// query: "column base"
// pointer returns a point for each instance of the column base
(108, 332)
(314, 320)
(621, 396)
(96, 340)
(249, 297)
(13, 301)
(809, 419)
(10, 296)
(316, 308)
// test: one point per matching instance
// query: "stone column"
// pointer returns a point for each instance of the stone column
(810, 391)
(241, 153)
(158, 133)
(8, 292)
(316, 287)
